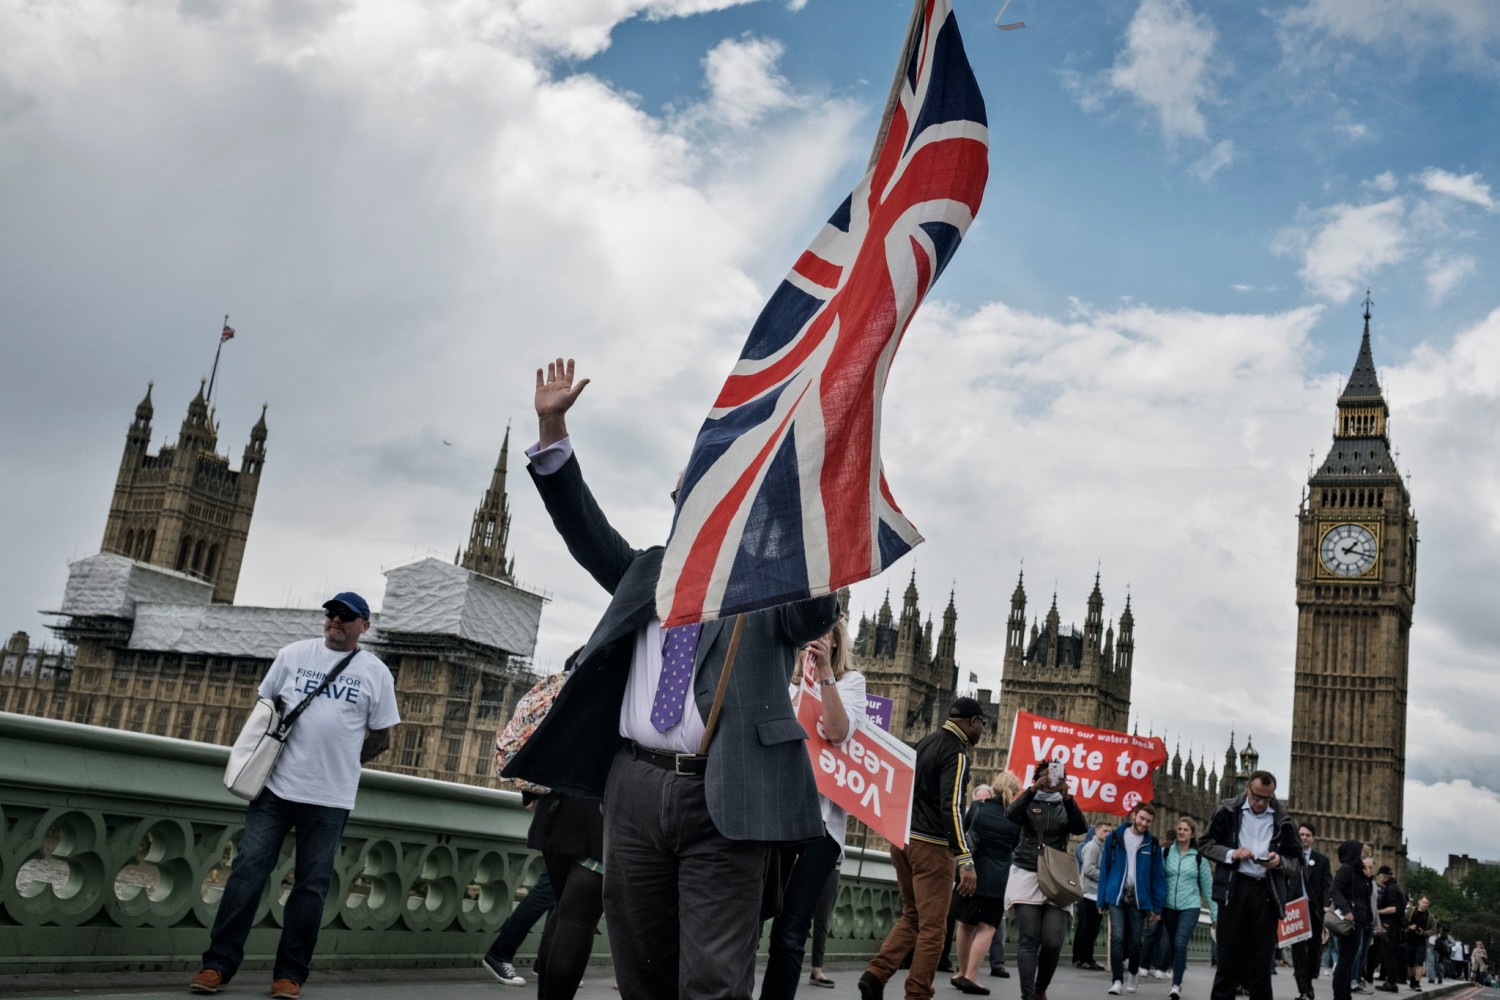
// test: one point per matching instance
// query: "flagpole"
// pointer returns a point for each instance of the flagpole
(913, 30)
(214, 374)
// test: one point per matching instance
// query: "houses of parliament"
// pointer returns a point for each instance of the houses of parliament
(154, 643)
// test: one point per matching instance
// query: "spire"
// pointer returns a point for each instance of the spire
(490, 530)
(197, 432)
(1363, 385)
(144, 411)
(255, 450)
(911, 593)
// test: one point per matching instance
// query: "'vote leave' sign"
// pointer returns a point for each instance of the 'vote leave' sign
(1107, 771)
(869, 775)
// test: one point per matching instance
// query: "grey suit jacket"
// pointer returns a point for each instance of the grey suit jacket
(759, 781)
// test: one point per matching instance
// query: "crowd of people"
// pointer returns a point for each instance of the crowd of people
(674, 800)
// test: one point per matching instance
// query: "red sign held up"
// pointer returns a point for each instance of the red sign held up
(869, 775)
(1107, 771)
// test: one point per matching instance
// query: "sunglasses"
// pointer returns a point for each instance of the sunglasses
(343, 616)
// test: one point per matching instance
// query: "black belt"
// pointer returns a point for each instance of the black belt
(687, 765)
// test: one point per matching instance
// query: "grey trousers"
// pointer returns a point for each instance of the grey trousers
(681, 901)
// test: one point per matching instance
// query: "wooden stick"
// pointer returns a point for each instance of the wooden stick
(913, 30)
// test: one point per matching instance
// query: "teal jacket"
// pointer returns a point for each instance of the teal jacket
(1189, 880)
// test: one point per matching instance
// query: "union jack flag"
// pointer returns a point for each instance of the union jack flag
(784, 497)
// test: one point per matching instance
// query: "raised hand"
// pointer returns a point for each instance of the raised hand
(555, 394)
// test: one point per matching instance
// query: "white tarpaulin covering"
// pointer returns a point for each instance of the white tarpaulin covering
(108, 585)
(223, 629)
(437, 597)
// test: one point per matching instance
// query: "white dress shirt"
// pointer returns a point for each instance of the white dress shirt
(1256, 830)
(645, 661)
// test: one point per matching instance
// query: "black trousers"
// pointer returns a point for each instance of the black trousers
(1307, 957)
(1087, 932)
(1247, 939)
(681, 901)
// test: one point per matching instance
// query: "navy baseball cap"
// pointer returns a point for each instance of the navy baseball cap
(352, 601)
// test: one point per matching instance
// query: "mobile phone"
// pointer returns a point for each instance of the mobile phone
(1055, 771)
(1262, 860)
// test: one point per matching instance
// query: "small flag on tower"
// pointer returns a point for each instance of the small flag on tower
(226, 334)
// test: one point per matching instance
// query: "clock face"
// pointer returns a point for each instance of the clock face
(1348, 550)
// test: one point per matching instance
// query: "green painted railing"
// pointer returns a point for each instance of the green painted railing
(114, 847)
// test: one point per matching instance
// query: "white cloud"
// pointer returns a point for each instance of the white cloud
(1384, 182)
(1354, 130)
(1342, 246)
(1168, 65)
(1465, 32)
(1454, 817)
(742, 80)
(1217, 158)
(1464, 187)
(1445, 272)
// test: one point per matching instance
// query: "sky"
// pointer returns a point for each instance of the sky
(406, 206)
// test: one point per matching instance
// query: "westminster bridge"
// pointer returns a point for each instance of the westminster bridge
(115, 845)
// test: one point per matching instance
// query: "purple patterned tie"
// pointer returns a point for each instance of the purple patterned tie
(678, 648)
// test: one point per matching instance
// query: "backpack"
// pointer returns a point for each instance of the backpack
(530, 711)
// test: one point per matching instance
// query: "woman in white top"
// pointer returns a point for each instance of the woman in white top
(843, 693)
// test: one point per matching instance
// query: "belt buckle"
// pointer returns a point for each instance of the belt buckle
(677, 765)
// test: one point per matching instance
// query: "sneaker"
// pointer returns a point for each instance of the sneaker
(206, 981)
(285, 989)
(1132, 981)
(1158, 974)
(503, 971)
(1114, 988)
(1175, 992)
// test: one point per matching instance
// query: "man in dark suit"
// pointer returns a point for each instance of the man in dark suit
(1317, 877)
(688, 833)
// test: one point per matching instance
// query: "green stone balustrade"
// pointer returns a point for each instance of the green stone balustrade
(114, 847)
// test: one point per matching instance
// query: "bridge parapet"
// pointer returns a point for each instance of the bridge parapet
(114, 847)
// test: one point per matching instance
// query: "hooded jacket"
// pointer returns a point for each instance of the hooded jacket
(1150, 880)
(1351, 886)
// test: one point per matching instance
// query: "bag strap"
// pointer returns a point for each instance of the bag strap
(292, 716)
(719, 692)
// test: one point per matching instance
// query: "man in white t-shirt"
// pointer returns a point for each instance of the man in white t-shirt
(347, 723)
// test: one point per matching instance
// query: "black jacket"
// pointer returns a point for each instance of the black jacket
(1054, 820)
(1223, 837)
(1317, 875)
(1391, 895)
(993, 836)
(567, 824)
(1350, 894)
(939, 787)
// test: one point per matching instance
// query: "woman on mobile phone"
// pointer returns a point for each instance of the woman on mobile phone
(1047, 815)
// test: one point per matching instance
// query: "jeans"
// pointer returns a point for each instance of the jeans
(524, 917)
(1124, 940)
(1040, 930)
(1178, 926)
(1344, 968)
(267, 820)
(798, 905)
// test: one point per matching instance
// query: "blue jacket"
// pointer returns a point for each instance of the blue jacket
(1150, 880)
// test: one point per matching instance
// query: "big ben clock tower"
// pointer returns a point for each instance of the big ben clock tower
(1356, 584)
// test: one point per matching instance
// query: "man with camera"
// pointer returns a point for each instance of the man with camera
(1255, 848)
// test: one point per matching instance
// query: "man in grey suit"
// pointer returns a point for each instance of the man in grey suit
(688, 835)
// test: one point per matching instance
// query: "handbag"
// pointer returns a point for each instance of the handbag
(1057, 874)
(1336, 925)
(530, 711)
(256, 749)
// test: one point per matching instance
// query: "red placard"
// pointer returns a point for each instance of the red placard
(869, 775)
(1297, 926)
(1107, 771)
